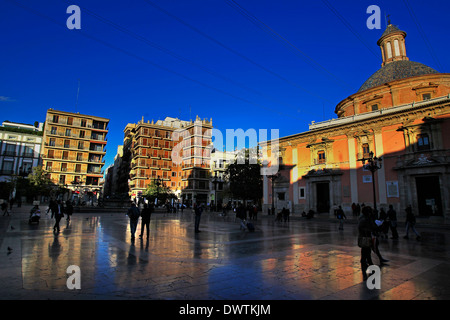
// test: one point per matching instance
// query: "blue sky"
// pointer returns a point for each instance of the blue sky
(277, 65)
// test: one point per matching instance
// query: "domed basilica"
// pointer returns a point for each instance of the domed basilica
(389, 145)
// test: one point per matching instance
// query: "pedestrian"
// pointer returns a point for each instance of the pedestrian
(340, 214)
(358, 209)
(52, 207)
(286, 214)
(69, 209)
(410, 223)
(255, 212)
(145, 220)
(376, 229)
(365, 228)
(392, 216)
(198, 214)
(354, 209)
(5, 207)
(384, 228)
(133, 213)
(59, 214)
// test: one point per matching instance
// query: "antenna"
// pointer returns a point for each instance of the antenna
(78, 92)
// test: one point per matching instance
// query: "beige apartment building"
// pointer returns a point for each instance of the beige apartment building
(73, 150)
(153, 146)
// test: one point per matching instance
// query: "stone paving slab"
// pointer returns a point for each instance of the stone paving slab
(296, 260)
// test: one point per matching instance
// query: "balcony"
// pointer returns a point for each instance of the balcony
(9, 153)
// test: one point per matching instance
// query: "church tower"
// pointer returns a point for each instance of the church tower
(392, 44)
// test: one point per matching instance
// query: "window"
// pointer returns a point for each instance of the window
(65, 155)
(52, 142)
(49, 166)
(83, 123)
(53, 130)
(10, 150)
(423, 142)
(62, 179)
(281, 196)
(8, 167)
(426, 96)
(67, 144)
(55, 119)
(69, 121)
(64, 167)
(301, 193)
(321, 156)
(365, 150)
(82, 133)
(68, 132)
(374, 107)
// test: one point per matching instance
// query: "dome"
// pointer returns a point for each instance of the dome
(396, 70)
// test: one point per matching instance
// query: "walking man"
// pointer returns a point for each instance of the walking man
(410, 223)
(59, 213)
(145, 220)
(133, 213)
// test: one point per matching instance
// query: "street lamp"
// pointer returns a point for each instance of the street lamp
(373, 164)
(157, 183)
(273, 178)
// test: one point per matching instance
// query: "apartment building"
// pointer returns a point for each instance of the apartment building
(20, 147)
(172, 152)
(73, 149)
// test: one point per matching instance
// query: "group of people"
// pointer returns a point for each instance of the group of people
(372, 226)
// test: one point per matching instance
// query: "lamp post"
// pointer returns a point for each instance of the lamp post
(373, 165)
(215, 181)
(157, 183)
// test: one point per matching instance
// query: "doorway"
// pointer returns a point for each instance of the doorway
(429, 196)
(323, 196)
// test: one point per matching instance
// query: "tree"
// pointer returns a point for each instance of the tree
(40, 182)
(157, 190)
(244, 177)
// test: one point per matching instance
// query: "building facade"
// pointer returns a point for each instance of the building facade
(73, 149)
(401, 114)
(20, 149)
(172, 152)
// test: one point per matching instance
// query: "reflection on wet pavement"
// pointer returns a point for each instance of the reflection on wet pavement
(300, 259)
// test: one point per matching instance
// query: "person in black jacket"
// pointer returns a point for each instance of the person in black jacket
(410, 223)
(392, 217)
(365, 229)
(145, 219)
(69, 209)
(134, 214)
(59, 213)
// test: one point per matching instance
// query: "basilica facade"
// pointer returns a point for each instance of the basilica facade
(398, 121)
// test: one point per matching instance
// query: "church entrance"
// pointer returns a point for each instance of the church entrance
(323, 197)
(429, 196)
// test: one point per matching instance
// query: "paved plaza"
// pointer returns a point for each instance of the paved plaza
(296, 260)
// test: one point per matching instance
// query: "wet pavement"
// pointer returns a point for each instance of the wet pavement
(296, 260)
